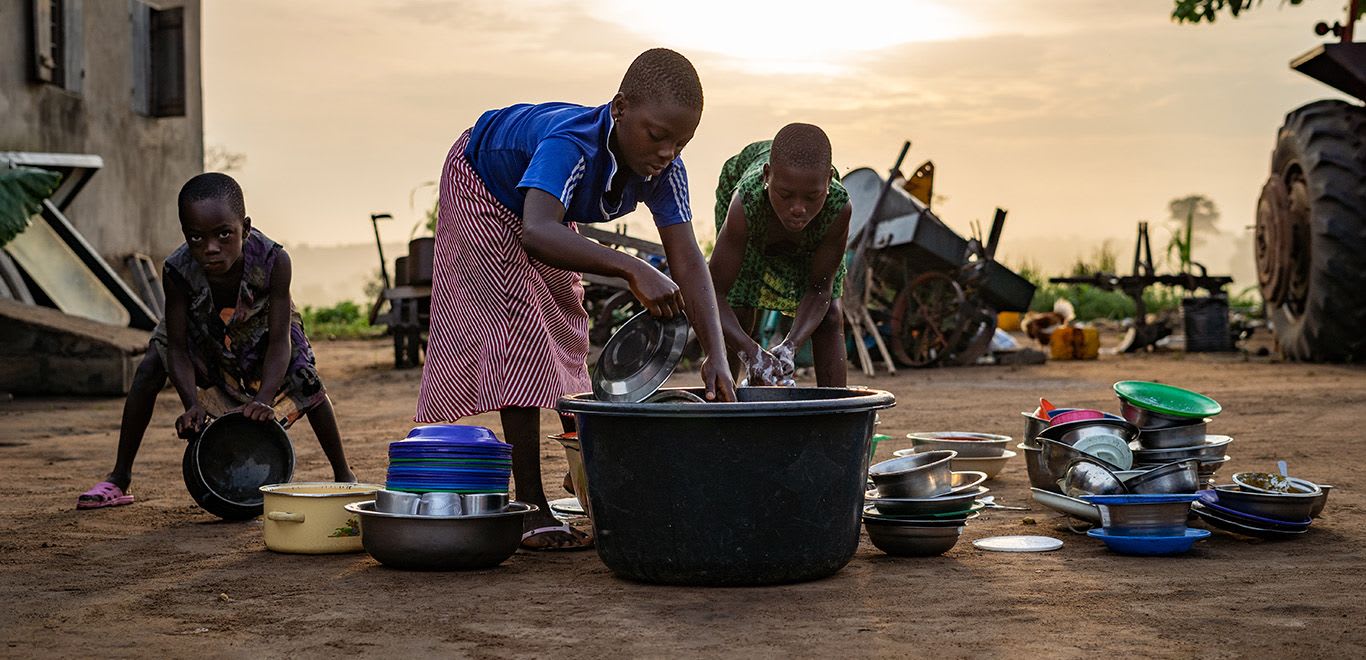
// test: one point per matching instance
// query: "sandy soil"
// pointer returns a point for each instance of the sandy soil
(162, 577)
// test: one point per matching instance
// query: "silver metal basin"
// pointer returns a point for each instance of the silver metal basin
(968, 445)
(908, 540)
(1148, 519)
(1039, 475)
(1176, 477)
(1087, 476)
(1277, 506)
(1147, 419)
(1173, 437)
(920, 506)
(925, 474)
(1211, 448)
(440, 543)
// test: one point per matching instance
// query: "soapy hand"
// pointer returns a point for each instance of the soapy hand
(761, 369)
(787, 364)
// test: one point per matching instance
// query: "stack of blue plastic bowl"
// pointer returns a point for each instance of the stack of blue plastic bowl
(449, 458)
(1153, 525)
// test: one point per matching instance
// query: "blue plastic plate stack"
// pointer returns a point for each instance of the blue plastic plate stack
(451, 459)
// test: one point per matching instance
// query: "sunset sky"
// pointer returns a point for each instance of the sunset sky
(1079, 117)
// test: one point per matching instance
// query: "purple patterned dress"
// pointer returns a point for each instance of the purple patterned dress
(228, 341)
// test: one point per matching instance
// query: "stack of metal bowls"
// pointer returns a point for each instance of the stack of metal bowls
(1173, 426)
(977, 452)
(1145, 524)
(1102, 438)
(920, 505)
(1263, 505)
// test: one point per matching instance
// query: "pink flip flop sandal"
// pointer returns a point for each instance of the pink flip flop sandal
(585, 541)
(104, 494)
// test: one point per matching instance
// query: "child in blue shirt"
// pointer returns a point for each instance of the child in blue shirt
(508, 327)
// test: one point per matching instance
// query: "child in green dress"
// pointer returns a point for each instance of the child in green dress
(782, 220)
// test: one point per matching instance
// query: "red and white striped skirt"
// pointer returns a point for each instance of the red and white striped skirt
(506, 330)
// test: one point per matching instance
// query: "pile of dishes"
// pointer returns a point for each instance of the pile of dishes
(977, 452)
(920, 505)
(1157, 446)
(1263, 505)
(445, 502)
(1172, 426)
(1152, 525)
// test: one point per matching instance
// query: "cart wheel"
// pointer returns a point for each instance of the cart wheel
(928, 320)
(616, 310)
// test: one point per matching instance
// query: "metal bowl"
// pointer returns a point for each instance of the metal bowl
(1033, 427)
(988, 466)
(967, 444)
(1147, 419)
(1073, 432)
(907, 540)
(1321, 502)
(1211, 449)
(1177, 477)
(1277, 506)
(924, 506)
(1057, 455)
(1143, 515)
(1265, 482)
(440, 543)
(1039, 476)
(1173, 437)
(925, 474)
(1210, 466)
(1088, 476)
(966, 480)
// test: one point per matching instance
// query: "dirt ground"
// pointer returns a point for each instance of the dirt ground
(163, 578)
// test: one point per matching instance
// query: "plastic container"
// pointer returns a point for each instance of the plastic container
(1149, 546)
(763, 491)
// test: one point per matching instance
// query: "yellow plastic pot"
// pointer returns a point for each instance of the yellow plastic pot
(309, 518)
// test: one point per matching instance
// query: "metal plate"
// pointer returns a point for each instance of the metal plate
(1018, 544)
(639, 357)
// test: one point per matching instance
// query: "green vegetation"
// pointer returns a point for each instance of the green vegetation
(22, 191)
(1093, 303)
(344, 320)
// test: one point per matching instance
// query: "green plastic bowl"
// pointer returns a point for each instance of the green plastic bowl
(1167, 399)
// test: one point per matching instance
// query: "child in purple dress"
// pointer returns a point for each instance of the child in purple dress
(230, 341)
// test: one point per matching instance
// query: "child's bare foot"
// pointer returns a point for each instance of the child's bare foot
(344, 477)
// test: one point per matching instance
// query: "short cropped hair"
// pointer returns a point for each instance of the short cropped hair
(213, 185)
(801, 145)
(660, 74)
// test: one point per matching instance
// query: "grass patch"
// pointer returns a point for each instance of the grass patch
(344, 320)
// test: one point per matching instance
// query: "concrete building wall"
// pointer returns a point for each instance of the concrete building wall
(129, 206)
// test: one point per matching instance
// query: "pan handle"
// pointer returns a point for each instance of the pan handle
(285, 516)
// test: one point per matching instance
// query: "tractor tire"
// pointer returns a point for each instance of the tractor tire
(1311, 234)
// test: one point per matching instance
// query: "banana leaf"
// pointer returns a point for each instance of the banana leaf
(22, 191)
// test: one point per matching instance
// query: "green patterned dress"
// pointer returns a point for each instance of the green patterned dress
(773, 276)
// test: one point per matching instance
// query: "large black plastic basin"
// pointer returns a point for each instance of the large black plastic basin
(762, 491)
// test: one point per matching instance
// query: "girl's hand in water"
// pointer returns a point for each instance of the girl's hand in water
(717, 380)
(787, 363)
(655, 291)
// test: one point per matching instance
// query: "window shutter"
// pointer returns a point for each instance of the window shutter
(44, 65)
(168, 62)
(139, 16)
(73, 45)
